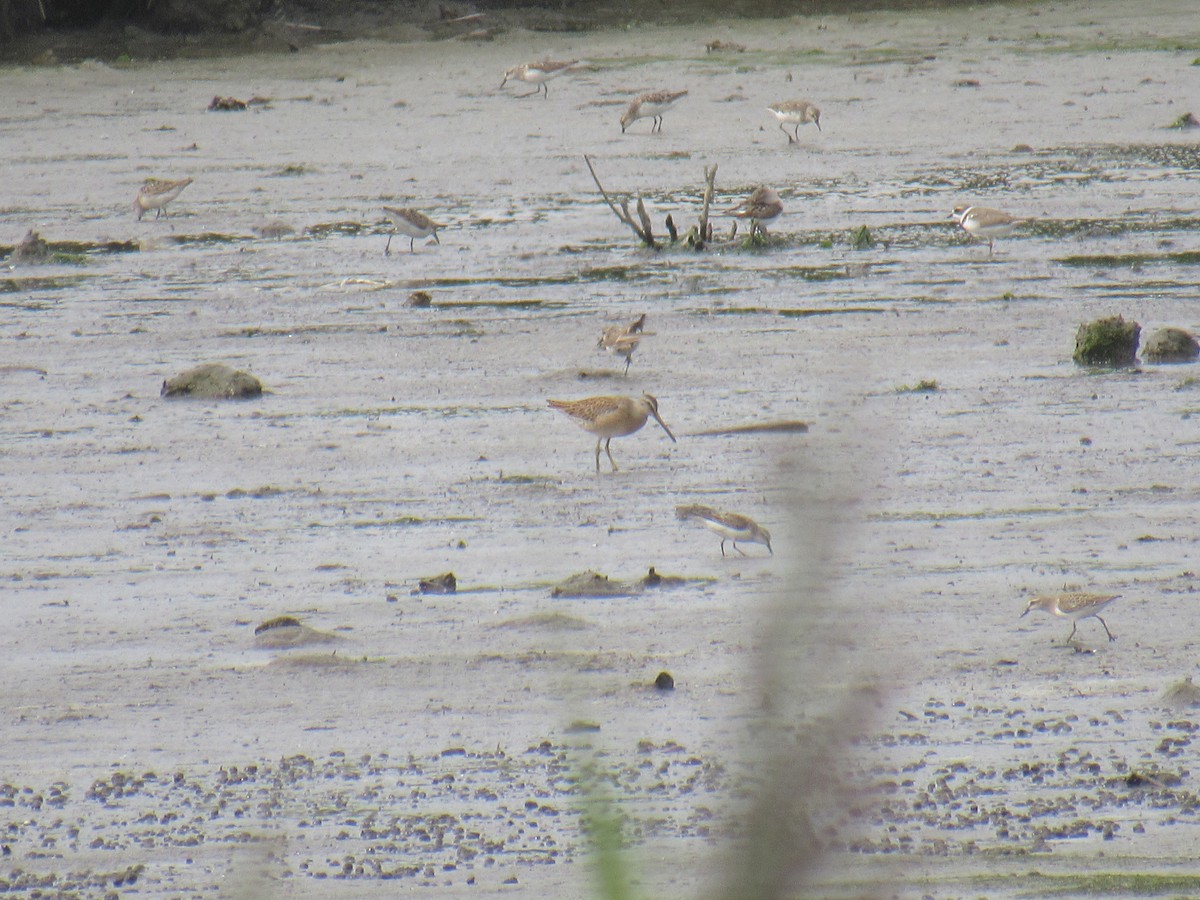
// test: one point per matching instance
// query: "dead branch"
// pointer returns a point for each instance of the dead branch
(710, 178)
(623, 214)
(644, 218)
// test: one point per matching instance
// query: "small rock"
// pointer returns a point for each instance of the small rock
(419, 299)
(212, 381)
(438, 584)
(1107, 342)
(664, 682)
(226, 104)
(1170, 345)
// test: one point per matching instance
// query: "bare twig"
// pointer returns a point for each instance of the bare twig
(623, 213)
(644, 218)
(710, 178)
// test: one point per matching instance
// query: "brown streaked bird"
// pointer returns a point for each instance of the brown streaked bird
(411, 223)
(795, 112)
(650, 106)
(1074, 605)
(622, 340)
(985, 222)
(761, 206)
(610, 417)
(730, 526)
(537, 73)
(156, 194)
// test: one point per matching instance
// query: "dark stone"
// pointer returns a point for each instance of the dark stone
(1107, 342)
(664, 682)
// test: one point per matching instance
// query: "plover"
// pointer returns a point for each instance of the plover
(156, 194)
(730, 526)
(650, 106)
(537, 73)
(795, 112)
(1074, 605)
(622, 340)
(761, 206)
(413, 224)
(985, 222)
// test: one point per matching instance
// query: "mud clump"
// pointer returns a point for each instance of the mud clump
(591, 584)
(1171, 345)
(285, 632)
(213, 381)
(32, 249)
(1107, 342)
(1182, 695)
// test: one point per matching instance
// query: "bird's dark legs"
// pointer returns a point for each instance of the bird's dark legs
(387, 251)
(1106, 631)
(608, 450)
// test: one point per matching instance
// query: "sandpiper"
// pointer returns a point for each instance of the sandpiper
(1073, 605)
(156, 194)
(610, 417)
(795, 112)
(412, 223)
(730, 526)
(761, 206)
(650, 106)
(984, 222)
(622, 340)
(537, 73)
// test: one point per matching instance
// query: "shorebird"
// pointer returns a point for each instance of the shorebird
(763, 205)
(795, 112)
(650, 106)
(730, 526)
(610, 417)
(1073, 605)
(156, 194)
(537, 73)
(622, 340)
(984, 222)
(412, 223)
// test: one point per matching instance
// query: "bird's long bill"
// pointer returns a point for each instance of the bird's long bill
(658, 419)
(1024, 614)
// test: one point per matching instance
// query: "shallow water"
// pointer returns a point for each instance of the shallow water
(145, 539)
